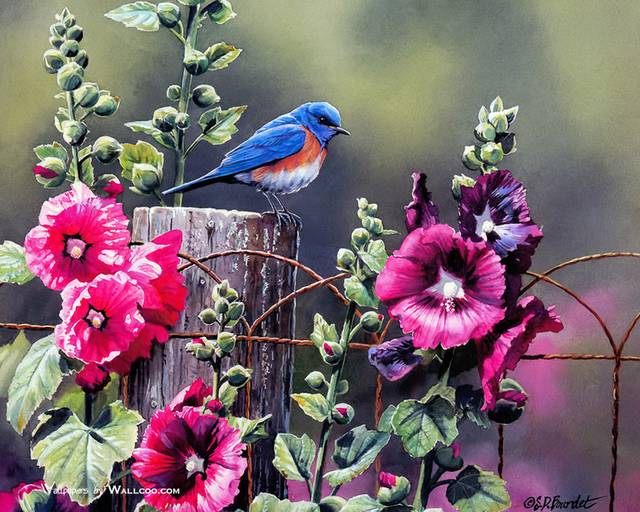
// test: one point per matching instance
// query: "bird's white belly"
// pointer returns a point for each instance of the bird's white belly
(286, 181)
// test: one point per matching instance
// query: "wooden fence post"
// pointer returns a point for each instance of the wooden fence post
(260, 283)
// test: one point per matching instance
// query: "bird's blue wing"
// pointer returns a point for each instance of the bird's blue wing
(262, 148)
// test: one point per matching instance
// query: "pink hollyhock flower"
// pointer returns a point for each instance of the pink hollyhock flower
(113, 187)
(44, 172)
(194, 395)
(92, 378)
(387, 479)
(443, 289)
(198, 454)
(80, 236)
(100, 319)
(501, 349)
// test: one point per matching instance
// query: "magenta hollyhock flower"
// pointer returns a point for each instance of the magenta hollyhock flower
(495, 210)
(101, 318)
(501, 349)
(394, 358)
(92, 378)
(387, 480)
(113, 187)
(421, 212)
(444, 289)
(194, 395)
(80, 236)
(44, 172)
(198, 454)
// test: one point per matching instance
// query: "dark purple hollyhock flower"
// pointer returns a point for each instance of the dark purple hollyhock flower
(495, 210)
(420, 212)
(395, 358)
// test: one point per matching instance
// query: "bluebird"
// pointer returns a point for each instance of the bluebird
(282, 157)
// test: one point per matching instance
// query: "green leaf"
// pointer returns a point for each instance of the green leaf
(228, 394)
(221, 11)
(293, 456)
(140, 153)
(140, 15)
(421, 424)
(469, 403)
(219, 125)
(250, 430)
(37, 378)
(375, 256)
(355, 451)
(10, 356)
(61, 115)
(362, 293)
(265, 502)
(362, 503)
(313, 405)
(71, 396)
(220, 55)
(81, 457)
(162, 138)
(13, 266)
(475, 489)
(323, 331)
(384, 425)
(190, 2)
(55, 150)
(86, 168)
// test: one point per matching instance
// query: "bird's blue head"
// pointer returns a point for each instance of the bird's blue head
(321, 118)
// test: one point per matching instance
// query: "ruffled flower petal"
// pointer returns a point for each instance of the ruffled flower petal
(395, 358)
(421, 212)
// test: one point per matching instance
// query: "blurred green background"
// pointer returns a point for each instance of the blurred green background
(408, 77)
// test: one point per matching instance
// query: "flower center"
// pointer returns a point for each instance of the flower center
(194, 465)
(484, 224)
(488, 226)
(75, 248)
(96, 319)
(450, 287)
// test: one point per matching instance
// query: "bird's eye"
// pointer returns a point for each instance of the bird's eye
(323, 120)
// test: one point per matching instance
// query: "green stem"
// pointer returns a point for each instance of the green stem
(159, 197)
(120, 476)
(74, 149)
(193, 24)
(424, 483)
(88, 407)
(216, 362)
(327, 424)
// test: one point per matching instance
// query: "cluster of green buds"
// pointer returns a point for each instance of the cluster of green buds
(393, 489)
(366, 257)
(68, 61)
(495, 139)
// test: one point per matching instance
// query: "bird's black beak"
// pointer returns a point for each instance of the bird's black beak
(340, 129)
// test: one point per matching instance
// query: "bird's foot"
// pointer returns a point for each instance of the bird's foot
(286, 218)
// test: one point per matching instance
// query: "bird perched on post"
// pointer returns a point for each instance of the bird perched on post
(282, 157)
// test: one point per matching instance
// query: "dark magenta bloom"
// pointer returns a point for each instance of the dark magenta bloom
(421, 212)
(501, 350)
(495, 210)
(44, 172)
(395, 358)
(387, 480)
(92, 378)
(444, 289)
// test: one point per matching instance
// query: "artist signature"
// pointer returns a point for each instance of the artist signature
(559, 503)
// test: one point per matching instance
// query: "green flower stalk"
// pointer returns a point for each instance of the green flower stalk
(170, 124)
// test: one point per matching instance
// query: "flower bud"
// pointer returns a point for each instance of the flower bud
(460, 180)
(470, 159)
(205, 96)
(332, 504)
(106, 105)
(508, 143)
(208, 316)
(226, 342)
(499, 121)
(58, 29)
(173, 92)
(360, 237)
(510, 402)
(82, 58)
(202, 348)
(342, 414)
(196, 62)
(448, 457)
(106, 149)
(315, 380)
(169, 14)
(108, 185)
(371, 321)
(164, 118)
(70, 76)
(221, 306)
(75, 32)
(238, 376)
(53, 60)
(491, 153)
(183, 120)
(50, 172)
(393, 489)
(70, 48)
(87, 95)
(236, 310)
(331, 352)
(511, 114)
(56, 41)
(74, 132)
(67, 18)
(485, 132)
(220, 11)
(146, 178)
(373, 225)
(363, 203)
(372, 209)
(345, 259)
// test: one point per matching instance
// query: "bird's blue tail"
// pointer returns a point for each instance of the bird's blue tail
(191, 185)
